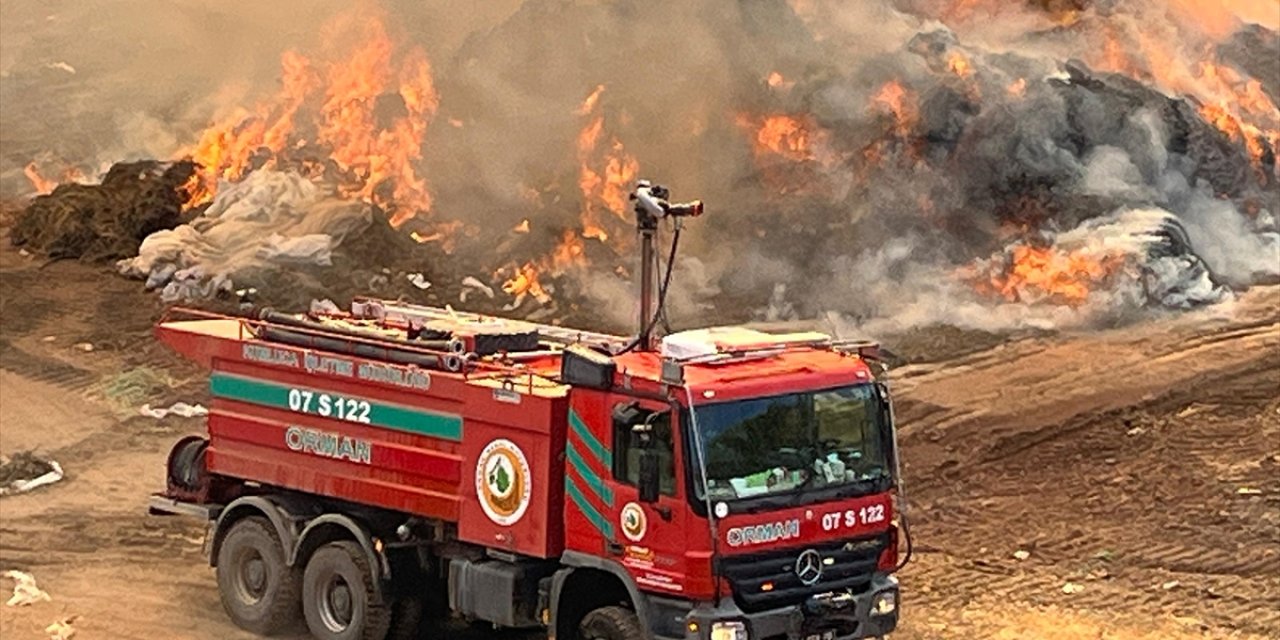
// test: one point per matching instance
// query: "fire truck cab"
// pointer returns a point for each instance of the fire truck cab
(741, 482)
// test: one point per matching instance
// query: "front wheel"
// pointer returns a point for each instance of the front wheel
(258, 588)
(339, 600)
(611, 623)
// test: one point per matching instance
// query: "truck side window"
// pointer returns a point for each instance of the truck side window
(627, 444)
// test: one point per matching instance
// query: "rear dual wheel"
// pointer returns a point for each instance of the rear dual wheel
(339, 597)
(258, 588)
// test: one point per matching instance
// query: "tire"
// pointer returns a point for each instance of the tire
(339, 600)
(259, 590)
(611, 623)
(406, 618)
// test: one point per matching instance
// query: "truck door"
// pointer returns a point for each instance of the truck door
(608, 440)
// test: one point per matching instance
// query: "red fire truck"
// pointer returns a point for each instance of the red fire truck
(363, 467)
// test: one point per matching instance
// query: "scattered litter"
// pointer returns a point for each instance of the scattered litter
(1072, 588)
(25, 472)
(24, 253)
(48, 338)
(470, 284)
(418, 280)
(1135, 431)
(1248, 491)
(61, 66)
(25, 591)
(1172, 584)
(1194, 408)
(1021, 555)
(83, 346)
(178, 409)
(62, 629)
(326, 306)
(1109, 460)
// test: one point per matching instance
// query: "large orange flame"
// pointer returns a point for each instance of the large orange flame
(606, 172)
(1029, 273)
(1234, 104)
(363, 111)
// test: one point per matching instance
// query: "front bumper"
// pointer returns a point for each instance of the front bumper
(822, 617)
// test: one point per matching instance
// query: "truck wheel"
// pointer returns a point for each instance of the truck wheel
(611, 623)
(406, 619)
(338, 596)
(259, 590)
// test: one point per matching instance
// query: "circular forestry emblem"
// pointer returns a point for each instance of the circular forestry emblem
(634, 522)
(503, 482)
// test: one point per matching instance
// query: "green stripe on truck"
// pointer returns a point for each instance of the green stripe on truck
(580, 428)
(588, 475)
(377, 413)
(597, 520)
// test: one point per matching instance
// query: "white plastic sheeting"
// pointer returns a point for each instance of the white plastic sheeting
(270, 220)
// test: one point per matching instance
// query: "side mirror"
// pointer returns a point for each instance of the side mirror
(649, 485)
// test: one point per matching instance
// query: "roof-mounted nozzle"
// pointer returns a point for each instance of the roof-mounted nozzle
(651, 206)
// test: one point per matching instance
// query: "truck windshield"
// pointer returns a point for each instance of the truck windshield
(795, 442)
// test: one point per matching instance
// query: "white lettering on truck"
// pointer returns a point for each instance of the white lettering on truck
(328, 444)
(762, 533)
(329, 406)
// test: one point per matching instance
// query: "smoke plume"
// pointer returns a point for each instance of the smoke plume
(891, 163)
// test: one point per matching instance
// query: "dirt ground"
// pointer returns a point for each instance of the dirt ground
(1135, 472)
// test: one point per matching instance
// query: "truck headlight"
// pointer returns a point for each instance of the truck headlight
(885, 603)
(729, 631)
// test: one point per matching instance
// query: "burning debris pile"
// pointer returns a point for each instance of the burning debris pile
(972, 162)
(108, 220)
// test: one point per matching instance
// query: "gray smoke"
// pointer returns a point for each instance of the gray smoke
(1007, 130)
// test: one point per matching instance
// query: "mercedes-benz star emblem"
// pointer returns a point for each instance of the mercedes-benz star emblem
(809, 567)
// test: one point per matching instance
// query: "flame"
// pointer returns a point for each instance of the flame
(784, 136)
(41, 184)
(958, 64)
(1027, 273)
(1017, 88)
(1234, 104)
(571, 252)
(604, 177)
(335, 112)
(524, 282)
(777, 81)
(588, 105)
(900, 103)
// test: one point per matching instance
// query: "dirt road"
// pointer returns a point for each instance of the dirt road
(1136, 471)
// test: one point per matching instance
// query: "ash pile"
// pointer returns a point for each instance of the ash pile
(890, 164)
